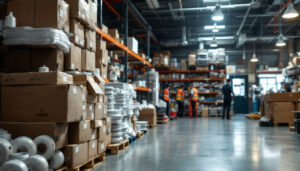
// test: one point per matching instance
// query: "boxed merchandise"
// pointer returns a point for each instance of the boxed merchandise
(103, 70)
(76, 154)
(99, 111)
(90, 39)
(37, 78)
(142, 55)
(100, 45)
(40, 13)
(58, 131)
(96, 124)
(101, 133)
(93, 13)
(87, 60)
(90, 114)
(114, 33)
(156, 61)
(78, 33)
(73, 59)
(88, 81)
(204, 112)
(51, 58)
(203, 68)
(192, 60)
(94, 133)
(92, 99)
(101, 57)
(108, 139)
(17, 60)
(107, 122)
(183, 64)
(148, 114)
(283, 112)
(283, 97)
(79, 9)
(93, 149)
(79, 132)
(101, 147)
(47, 103)
(133, 44)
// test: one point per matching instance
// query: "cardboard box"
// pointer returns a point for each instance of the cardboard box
(104, 110)
(93, 149)
(17, 60)
(100, 45)
(96, 123)
(93, 14)
(99, 110)
(107, 122)
(48, 103)
(183, 64)
(58, 131)
(101, 133)
(79, 132)
(37, 78)
(92, 99)
(108, 139)
(78, 33)
(103, 71)
(204, 112)
(89, 82)
(41, 13)
(283, 112)
(87, 60)
(101, 147)
(94, 134)
(133, 44)
(101, 57)
(114, 33)
(192, 60)
(156, 61)
(164, 61)
(148, 114)
(52, 58)
(76, 154)
(79, 9)
(204, 68)
(90, 39)
(73, 59)
(90, 112)
(283, 97)
(101, 82)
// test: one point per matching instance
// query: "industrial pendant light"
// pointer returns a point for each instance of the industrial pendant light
(290, 12)
(254, 57)
(217, 15)
(214, 43)
(280, 41)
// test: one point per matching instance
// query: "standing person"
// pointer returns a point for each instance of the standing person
(180, 100)
(227, 93)
(193, 101)
(167, 98)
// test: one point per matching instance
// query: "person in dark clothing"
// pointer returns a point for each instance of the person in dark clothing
(180, 101)
(228, 93)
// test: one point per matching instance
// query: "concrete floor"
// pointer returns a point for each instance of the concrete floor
(210, 144)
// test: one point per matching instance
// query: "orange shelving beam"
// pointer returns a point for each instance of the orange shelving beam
(191, 79)
(189, 71)
(145, 89)
(121, 46)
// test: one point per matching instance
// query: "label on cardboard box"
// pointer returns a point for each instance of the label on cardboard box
(65, 79)
(83, 97)
(104, 129)
(72, 66)
(91, 107)
(61, 12)
(102, 146)
(74, 90)
(84, 125)
(99, 106)
(100, 122)
(93, 136)
(76, 149)
(93, 145)
(83, 107)
(92, 116)
(83, 115)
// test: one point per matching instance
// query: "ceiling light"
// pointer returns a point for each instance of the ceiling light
(210, 27)
(254, 58)
(214, 43)
(290, 12)
(215, 30)
(217, 15)
(280, 41)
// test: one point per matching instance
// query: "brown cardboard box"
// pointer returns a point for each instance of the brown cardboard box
(105, 110)
(101, 147)
(192, 60)
(84, 112)
(79, 9)
(164, 61)
(204, 112)
(99, 110)
(73, 59)
(156, 61)
(48, 103)
(283, 112)
(114, 33)
(94, 134)
(78, 33)
(100, 44)
(17, 60)
(107, 122)
(86, 80)
(37, 78)
(108, 139)
(76, 154)
(96, 123)
(41, 13)
(268, 110)
(183, 64)
(88, 60)
(79, 132)
(100, 81)
(101, 133)
(205, 68)
(92, 99)
(93, 13)
(283, 97)
(101, 99)
(148, 114)
(101, 57)
(93, 149)
(90, 39)
(103, 70)
(90, 112)
(52, 58)
(58, 131)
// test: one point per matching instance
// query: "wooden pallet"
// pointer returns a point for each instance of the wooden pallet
(162, 121)
(90, 164)
(292, 129)
(276, 124)
(64, 168)
(140, 135)
(117, 148)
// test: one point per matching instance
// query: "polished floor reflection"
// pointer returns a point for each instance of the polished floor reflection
(210, 144)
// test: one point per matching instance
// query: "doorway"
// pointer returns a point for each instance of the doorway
(240, 89)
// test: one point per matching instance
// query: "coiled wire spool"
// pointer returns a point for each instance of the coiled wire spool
(24, 143)
(116, 140)
(45, 146)
(57, 160)
(14, 165)
(36, 163)
(117, 134)
(19, 156)
(5, 150)
(4, 134)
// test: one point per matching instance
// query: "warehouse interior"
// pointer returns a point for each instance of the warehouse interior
(149, 85)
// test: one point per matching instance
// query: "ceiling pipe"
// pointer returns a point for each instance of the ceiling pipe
(171, 10)
(243, 22)
(184, 41)
(278, 13)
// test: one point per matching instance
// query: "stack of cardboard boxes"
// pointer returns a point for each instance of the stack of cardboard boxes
(161, 59)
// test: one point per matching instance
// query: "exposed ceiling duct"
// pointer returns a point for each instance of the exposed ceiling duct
(184, 41)
(152, 4)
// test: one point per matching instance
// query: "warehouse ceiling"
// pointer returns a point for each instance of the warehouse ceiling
(244, 21)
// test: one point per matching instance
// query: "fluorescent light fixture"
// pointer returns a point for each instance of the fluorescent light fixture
(254, 58)
(290, 12)
(280, 42)
(210, 27)
(217, 15)
(215, 30)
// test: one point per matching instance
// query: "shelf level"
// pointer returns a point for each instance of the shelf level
(192, 79)
(121, 46)
(203, 102)
(189, 71)
(202, 93)
(269, 72)
(143, 89)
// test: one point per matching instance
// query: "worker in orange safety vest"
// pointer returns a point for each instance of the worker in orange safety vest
(180, 100)
(167, 98)
(193, 101)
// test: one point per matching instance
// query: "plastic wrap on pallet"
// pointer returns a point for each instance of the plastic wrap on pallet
(36, 36)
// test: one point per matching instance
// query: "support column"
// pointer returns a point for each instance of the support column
(148, 56)
(125, 41)
(100, 12)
